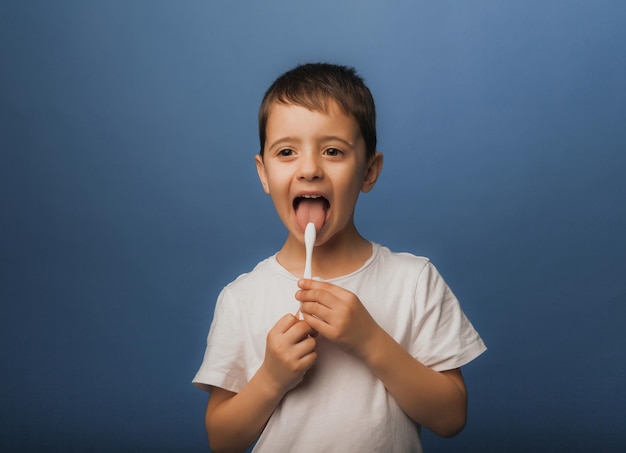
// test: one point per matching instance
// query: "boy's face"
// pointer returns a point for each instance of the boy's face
(314, 154)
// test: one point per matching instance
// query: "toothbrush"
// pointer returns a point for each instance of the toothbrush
(309, 241)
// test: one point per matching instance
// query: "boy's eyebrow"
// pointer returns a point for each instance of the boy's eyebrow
(330, 138)
(283, 140)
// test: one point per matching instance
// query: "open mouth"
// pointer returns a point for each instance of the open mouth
(311, 199)
(311, 208)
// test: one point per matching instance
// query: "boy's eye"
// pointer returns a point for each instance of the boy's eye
(332, 152)
(285, 152)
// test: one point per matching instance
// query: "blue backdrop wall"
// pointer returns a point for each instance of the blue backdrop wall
(128, 199)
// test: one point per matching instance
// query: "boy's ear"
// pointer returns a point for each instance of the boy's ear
(374, 167)
(260, 169)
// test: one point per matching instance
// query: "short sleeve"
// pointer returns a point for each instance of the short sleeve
(224, 363)
(444, 338)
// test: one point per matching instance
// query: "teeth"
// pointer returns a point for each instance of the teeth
(311, 196)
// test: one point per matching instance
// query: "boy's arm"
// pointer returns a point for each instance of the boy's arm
(235, 420)
(436, 400)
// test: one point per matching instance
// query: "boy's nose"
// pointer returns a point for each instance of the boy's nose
(309, 167)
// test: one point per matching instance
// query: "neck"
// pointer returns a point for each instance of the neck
(340, 255)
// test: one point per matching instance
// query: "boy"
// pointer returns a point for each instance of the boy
(378, 350)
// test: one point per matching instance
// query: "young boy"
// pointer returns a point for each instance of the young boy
(378, 350)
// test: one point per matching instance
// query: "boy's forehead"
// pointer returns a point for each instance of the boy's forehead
(329, 107)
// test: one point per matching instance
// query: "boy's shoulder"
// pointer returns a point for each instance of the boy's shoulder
(262, 273)
(402, 258)
(405, 266)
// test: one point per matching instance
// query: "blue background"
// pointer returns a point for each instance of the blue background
(129, 198)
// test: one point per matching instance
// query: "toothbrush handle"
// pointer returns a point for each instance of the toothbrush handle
(307, 264)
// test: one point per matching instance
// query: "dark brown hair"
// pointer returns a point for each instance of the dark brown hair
(312, 85)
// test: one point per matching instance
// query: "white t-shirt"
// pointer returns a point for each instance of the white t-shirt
(340, 406)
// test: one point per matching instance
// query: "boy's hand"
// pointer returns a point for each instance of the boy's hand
(337, 314)
(289, 352)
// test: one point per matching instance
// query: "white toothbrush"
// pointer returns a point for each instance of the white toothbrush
(309, 242)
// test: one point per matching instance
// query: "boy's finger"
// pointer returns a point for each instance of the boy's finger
(319, 296)
(285, 323)
(296, 329)
(309, 309)
(306, 283)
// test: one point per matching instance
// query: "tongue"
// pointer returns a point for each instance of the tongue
(311, 210)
